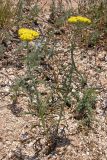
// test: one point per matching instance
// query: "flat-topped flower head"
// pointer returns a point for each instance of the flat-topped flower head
(26, 34)
(79, 19)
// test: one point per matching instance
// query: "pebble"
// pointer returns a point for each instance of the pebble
(8, 143)
(31, 144)
(101, 56)
(7, 89)
(106, 58)
(24, 136)
(1, 145)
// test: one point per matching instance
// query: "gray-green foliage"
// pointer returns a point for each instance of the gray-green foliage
(86, 105)
(43, 72)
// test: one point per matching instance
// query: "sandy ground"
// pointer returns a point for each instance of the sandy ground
(17, 136)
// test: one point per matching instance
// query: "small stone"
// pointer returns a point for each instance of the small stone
(8, 143)
(106, 58)
(10, 154)
(24, 136)
(31, 144)
(88, 153)
(7, 89)
(105, 103)
(14, 28)
(1, 145)
(101, 56)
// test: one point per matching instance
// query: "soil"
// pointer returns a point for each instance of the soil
(20, 133)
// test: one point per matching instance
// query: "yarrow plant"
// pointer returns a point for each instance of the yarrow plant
(79, 22)
(76, 19)
(85, 104)
(42, 73)
(27, 34)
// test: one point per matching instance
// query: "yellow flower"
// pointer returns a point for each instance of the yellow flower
(76, 19)
(27, 34)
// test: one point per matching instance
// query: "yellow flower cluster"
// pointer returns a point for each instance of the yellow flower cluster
(76, 19)
(26, 34)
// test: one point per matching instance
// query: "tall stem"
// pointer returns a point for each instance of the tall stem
(40, 106)
(73, 45)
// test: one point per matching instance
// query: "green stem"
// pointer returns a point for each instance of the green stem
(60, 116)
(34, 84)
(74, 68)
